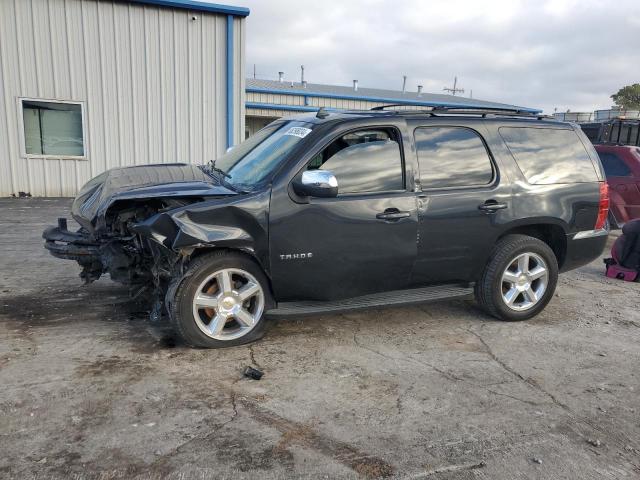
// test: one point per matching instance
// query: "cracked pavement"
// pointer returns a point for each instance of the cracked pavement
(92, 390)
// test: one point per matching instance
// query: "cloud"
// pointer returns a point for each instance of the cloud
(565, 54)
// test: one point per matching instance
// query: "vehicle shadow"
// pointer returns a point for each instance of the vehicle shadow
(73, 307)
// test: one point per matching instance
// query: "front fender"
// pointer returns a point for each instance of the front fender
(238, 223)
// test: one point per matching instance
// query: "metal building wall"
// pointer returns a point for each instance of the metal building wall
(299, 100)
(266, 105)
(262, 108)
(152, 79)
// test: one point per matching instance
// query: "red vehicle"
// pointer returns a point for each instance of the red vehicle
(622, 167)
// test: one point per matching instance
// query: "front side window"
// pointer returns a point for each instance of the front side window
(53, 129)
(613, 165)
(549, 155)
(452, 157)
(365, 161)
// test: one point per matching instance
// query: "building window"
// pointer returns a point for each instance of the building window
(53, 129)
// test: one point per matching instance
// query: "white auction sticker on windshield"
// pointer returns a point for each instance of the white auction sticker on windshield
(298, 132)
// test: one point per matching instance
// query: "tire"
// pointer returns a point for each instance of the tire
(218, 321)
(504, 279)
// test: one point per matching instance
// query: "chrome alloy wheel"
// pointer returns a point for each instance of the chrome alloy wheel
(524, 281)
(228, 304)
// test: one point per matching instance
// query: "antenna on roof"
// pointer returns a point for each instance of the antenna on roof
(404, 83)
(454, 90)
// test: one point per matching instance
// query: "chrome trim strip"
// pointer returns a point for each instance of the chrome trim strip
(591, 234)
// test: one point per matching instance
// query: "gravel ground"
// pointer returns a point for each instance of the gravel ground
(92, 390)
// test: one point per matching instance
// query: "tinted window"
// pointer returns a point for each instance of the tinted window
(613, 165)
(363, 162)
(547, 155)
(452, 157)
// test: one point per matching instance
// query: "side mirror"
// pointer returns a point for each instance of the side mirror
(317, 183)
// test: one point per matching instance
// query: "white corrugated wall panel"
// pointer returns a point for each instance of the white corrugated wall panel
(151, 79)
(7, 146)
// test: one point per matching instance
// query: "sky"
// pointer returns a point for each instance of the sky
(564, 54)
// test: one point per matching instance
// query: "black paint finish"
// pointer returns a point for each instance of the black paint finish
(360, 243)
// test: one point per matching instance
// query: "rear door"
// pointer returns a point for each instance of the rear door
(460, 203)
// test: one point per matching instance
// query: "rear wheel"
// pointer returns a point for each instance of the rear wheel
(519, 279)
(220, 301)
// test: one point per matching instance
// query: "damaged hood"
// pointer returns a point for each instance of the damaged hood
(148, 181)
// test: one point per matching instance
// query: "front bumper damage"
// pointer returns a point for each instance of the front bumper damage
(118, 256)
(77, 246)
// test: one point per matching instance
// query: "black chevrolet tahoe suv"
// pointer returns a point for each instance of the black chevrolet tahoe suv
(344, 210)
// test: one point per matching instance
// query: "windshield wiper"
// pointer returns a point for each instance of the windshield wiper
(212, 166)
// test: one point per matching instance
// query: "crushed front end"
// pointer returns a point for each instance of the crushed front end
(125, 256)
(142, 225)
(108, 207)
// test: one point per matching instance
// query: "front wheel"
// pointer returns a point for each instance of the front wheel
(220, 301)
(519, 279)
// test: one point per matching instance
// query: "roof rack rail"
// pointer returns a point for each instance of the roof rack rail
(389, 105)
(463, 110)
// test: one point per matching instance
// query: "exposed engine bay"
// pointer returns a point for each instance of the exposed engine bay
(117, 249)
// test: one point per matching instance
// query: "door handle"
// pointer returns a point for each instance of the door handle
(491, 206)
(391, 214)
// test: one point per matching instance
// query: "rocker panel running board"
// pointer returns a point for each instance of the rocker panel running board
(385, 299)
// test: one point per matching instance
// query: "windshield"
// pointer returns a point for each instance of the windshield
(253, 160)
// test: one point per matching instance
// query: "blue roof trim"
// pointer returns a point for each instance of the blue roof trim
(398, 101)
(229, 61)
(275, 106)
(199, 6)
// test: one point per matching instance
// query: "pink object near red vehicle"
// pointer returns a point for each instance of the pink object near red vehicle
(622, 168)
(624, 263)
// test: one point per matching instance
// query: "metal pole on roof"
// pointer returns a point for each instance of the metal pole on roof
(454, 90)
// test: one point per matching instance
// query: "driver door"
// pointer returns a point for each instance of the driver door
(363, 240)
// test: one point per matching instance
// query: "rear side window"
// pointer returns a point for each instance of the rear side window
(549, 155)
(613, 165)
(452, 157)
